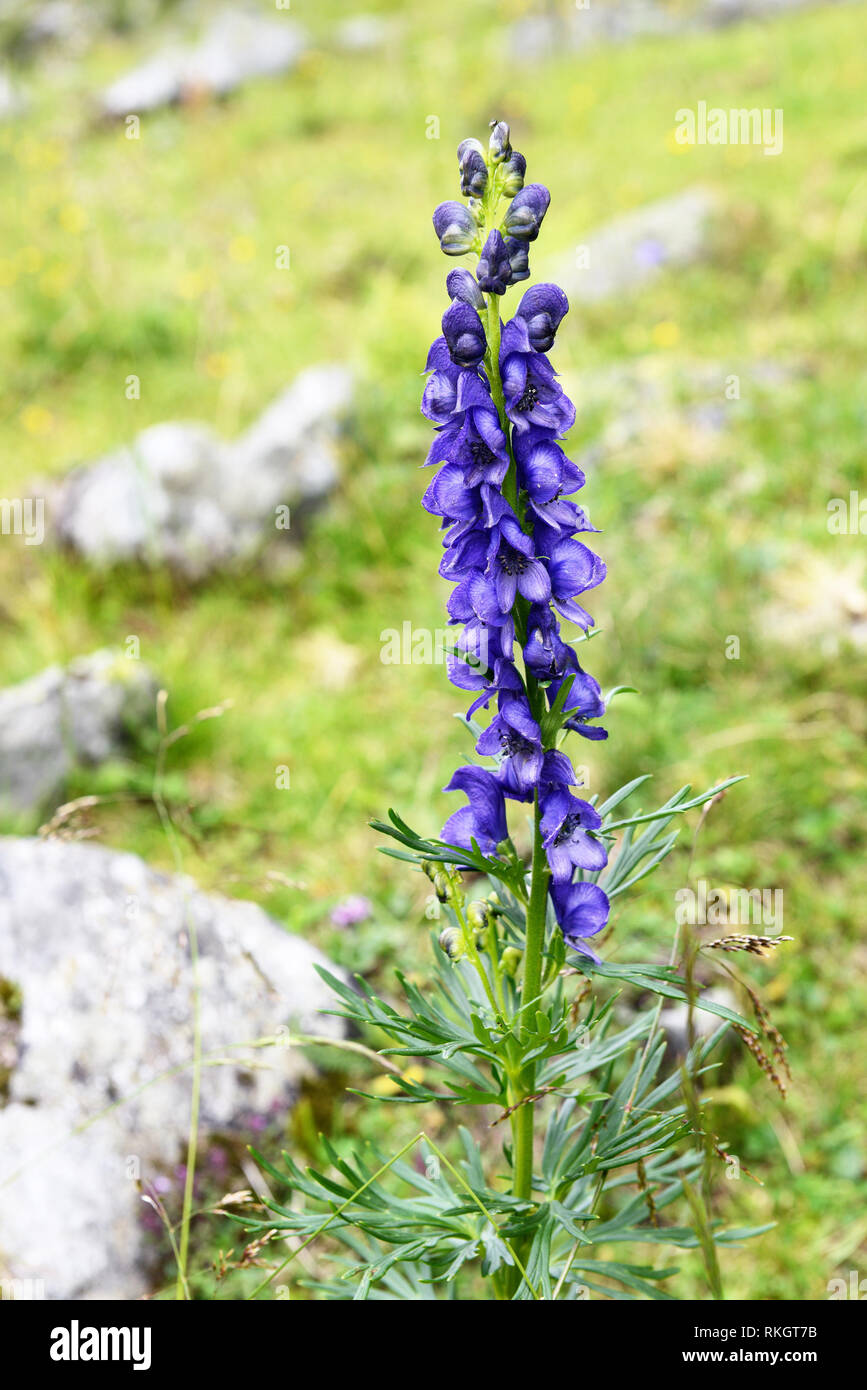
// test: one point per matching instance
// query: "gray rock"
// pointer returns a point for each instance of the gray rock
(180, 496)
(236, 47)
(632, 250)
(62, 717)
(574, 29)
(154, 83)
(98, 946)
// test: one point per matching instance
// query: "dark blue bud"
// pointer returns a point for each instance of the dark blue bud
(464, 334)
(494, 271)
(499, 145)
(455, 228)
(462, 285)
(519, 259)
(513, 174)
(542, 308)
(524, 217)
(474, 170)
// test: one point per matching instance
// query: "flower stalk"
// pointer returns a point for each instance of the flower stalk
(496, 1027)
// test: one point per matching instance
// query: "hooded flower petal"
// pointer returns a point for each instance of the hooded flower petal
(455, 227)
(582, 910)
(474, 170)
(494, 271)
(485, 818)
(463, 331)
(542, 308)
(462, 285)
(527, 209)
(566, 821)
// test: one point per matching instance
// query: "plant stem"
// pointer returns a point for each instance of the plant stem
(535, 941)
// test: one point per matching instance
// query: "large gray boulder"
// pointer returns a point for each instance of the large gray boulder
(237, 46)
(180, 496)
(81, 713)
(97, 946)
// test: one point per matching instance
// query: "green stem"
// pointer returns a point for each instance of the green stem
(535, 942)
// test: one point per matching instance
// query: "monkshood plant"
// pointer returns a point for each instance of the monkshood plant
(597, 1140)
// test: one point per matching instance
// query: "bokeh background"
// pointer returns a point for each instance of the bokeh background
(155, 256)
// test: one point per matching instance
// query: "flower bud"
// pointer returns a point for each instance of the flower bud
(524, 217)
(462, 285)
(455, 228)
(514, 174)
(511, 960)
(542, 308)
(451, 942)
(478, 916)
(499, 144)
(519, 259)
(443, 887)
(431, 867)
(494, 270)
(474, 170)
(465, 334)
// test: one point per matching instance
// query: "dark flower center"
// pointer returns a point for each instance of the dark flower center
(568, 828)
(482, 454)
(514, 744)
(513, 562)
(529, 398)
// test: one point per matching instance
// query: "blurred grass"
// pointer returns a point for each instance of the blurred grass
(157, 257)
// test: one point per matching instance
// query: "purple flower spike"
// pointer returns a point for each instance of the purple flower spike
(501, 488)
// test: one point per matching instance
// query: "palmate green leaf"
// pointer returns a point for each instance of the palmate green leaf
(538, 1260)
(425, 1031)
(496, 1252)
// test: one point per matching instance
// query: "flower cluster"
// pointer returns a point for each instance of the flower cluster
(501, 488)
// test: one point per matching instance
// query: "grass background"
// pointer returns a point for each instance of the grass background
(156, 257)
